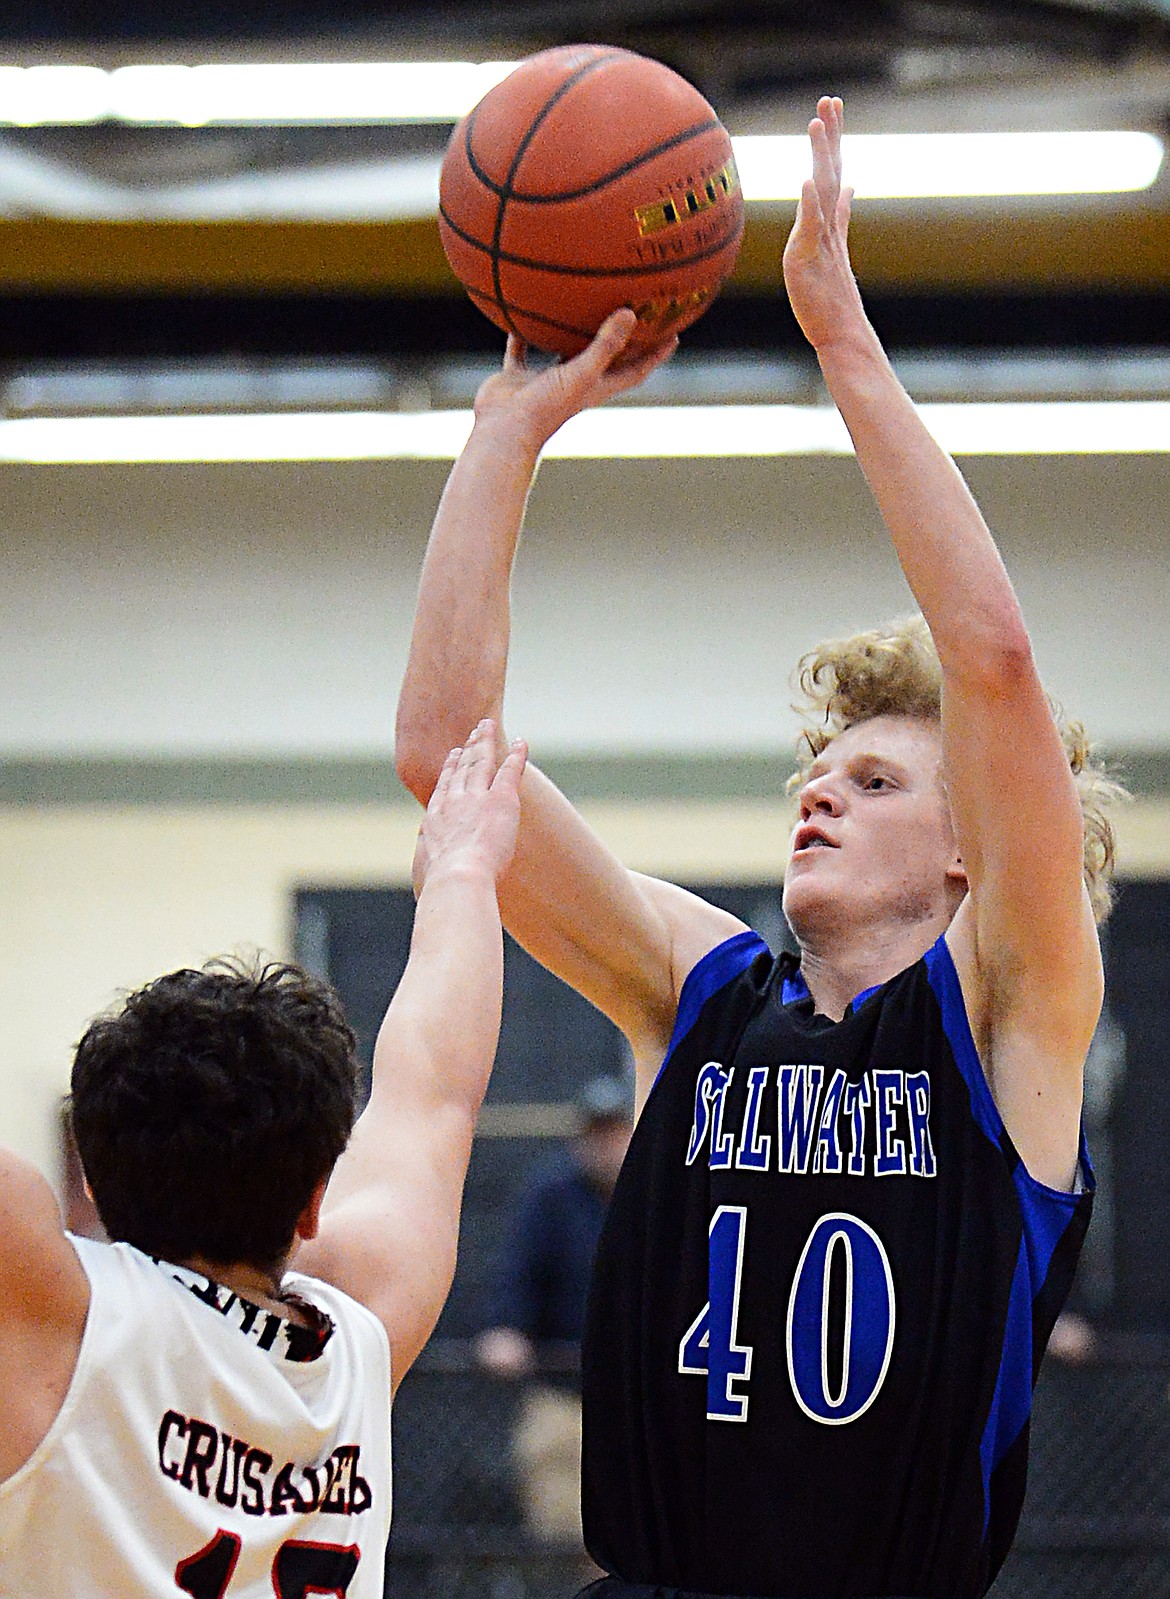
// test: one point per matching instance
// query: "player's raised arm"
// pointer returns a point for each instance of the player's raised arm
(622, 941)
(1024, 940)
(390, 1219)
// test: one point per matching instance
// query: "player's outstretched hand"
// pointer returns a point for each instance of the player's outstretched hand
(539, 400)
(817, 271)
(474, 812)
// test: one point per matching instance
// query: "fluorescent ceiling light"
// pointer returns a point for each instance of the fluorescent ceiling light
(1109, 427)
(941, 165)
(338, 92)
(772, 167)
(227, 436)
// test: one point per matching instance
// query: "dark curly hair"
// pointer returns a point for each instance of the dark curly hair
(208, 1107)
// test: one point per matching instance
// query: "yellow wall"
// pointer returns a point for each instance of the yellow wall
(94, 901)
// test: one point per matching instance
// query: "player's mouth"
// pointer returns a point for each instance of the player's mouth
(810, 836)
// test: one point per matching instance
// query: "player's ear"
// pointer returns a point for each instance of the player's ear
(956, 871)
(309, 1220)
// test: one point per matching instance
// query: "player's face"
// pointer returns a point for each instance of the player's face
(874, 842)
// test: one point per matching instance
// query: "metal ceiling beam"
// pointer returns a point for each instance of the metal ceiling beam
(999, 248)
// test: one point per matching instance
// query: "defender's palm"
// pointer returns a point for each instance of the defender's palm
(474, 812)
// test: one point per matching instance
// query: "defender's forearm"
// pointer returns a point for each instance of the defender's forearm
(437, 1043)
(459, 648)
(450, 996)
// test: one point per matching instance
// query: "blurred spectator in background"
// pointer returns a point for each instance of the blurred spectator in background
(542, 1281)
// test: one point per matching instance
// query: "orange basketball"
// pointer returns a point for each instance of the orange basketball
(588, 179)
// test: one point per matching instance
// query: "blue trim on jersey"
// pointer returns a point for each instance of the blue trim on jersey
(794, 988)
(944, 980)
(859, 1000)
(716, 969)
(1045, 1213)
(1011, 1404)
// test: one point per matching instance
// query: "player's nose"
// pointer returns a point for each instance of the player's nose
(820, 796)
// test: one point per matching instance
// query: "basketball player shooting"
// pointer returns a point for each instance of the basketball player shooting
(179, 1412)
(856, 1191)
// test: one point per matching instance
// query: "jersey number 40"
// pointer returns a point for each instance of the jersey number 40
(831, 1385)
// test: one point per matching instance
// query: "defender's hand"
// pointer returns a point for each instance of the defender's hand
(817, 271)
(539, 401)
(474, 812)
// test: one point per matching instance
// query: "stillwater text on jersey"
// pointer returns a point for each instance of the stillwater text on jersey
(812, 1122)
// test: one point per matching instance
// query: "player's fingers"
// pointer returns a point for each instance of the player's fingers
(478, 761)
(830, 111)
(511, 767)
(838, 133)
(443, 786)
(845, 211)
(630, 373)
(825, 176)
(611, 339)
(809, 211)
(471, 758)
(515, 354)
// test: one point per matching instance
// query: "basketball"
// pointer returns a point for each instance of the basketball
(589, 179)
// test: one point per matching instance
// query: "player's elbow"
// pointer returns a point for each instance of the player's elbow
(418, 758)
(996, 656)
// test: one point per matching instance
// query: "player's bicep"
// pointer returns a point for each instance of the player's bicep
(392, 1244)
(1024, 941)
(41, 1278)
(1017, 819)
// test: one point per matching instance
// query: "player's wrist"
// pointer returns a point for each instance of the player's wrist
(513, 433)
(467, 869)
(847, 336)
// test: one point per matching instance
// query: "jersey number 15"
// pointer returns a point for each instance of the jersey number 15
(300, 1568)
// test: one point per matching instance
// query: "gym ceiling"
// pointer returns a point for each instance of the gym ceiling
(1072, 274)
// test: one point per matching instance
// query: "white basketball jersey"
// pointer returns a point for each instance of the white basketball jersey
(206, 1447)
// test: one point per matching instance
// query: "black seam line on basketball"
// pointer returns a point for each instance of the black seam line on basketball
(579, 271)
(498, 298)
(606, 177)
(504, 190)
(561, 90)
(532, 316)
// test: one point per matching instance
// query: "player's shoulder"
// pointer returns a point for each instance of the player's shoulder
(740, 959)
(728, 983)
(41, 1277)
(356, 1323)
(696, 927)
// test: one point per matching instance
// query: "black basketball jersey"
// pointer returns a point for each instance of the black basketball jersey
(820, 1299)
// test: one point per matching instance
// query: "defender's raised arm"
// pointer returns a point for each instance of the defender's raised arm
(390, 1219)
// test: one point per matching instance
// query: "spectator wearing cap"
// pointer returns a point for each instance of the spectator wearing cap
(542, 1281)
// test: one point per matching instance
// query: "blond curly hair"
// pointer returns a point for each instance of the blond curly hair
(895, 671)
